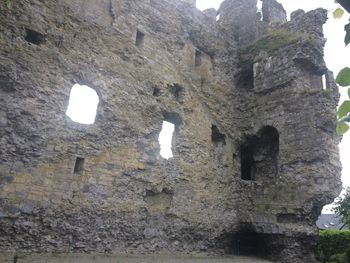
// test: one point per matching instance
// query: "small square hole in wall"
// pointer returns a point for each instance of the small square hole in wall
(156, 91)
(139, 38)
(34, 37)
(198, 58)
(79, 165)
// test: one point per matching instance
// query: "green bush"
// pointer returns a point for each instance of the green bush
(333, 246)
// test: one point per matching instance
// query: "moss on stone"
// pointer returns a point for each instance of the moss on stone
(270, 43)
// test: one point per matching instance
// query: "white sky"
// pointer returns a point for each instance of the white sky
(82, 105)
(336, 54)
(165, 139)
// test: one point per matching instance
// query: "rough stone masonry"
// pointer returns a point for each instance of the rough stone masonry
(255, 149)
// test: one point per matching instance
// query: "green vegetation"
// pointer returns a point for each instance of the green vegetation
(8, 3)
(273, 42)
(270, 43)
(343, 79)
(342, 208)
(333, 246)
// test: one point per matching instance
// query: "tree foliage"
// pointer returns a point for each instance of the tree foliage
(333, 246)
(342, 207)
(343, 79)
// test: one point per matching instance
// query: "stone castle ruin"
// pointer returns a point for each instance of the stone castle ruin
(255, 149)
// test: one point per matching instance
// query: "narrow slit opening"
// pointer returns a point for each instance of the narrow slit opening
(324, 82)
(79, 165)
(139, 38)
(166, 139)
(198, 58)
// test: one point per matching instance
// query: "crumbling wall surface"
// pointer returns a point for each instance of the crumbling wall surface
(127, 197)
(290, 97)
(240, 20)
(245, 97)
(273, 12)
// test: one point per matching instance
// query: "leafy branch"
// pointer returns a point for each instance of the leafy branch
(343, 79)
(342, 207)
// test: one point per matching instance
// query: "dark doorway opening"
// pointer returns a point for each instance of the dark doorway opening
(249, 243)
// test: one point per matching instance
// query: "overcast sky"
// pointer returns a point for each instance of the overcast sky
(337, 55)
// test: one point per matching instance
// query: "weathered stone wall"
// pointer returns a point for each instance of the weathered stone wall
(251, 79)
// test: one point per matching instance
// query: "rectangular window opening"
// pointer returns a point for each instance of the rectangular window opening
(139, 38)
(247, 164)
(198, 58)
(324, 82)
(246, 77)
(79, 165)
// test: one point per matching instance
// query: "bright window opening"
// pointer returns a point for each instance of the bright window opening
(259, 7)
(165, 139)
(83, 102)
(324, 82)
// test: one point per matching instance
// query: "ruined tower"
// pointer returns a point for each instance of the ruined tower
(255, 149)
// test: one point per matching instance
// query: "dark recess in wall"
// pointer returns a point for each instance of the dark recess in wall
(79, 165)
(245, 78)
(259, 155)
(34, 37)
(139, 38)
(198, 58)
(216, 136)
(177, 91)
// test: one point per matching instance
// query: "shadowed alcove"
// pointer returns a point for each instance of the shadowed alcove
(259, 155)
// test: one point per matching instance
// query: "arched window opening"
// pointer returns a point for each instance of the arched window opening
(165, 139)
(259, 155)
(83, 102)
